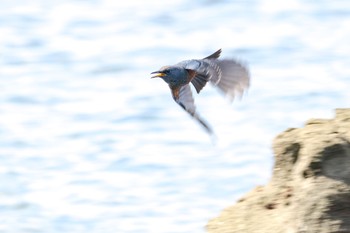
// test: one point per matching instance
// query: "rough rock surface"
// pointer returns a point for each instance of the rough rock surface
(309, 191)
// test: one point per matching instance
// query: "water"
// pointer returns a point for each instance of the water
(88, 143)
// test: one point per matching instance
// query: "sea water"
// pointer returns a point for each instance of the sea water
(89, 143)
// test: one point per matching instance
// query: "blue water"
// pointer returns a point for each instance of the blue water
(89, 143)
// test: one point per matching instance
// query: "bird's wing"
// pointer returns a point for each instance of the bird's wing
(229, 75)
(183, 96)
(197, 67)
(214, 55)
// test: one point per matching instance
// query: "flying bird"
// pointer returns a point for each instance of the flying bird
(230, 76)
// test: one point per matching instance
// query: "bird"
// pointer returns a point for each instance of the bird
(230, 76)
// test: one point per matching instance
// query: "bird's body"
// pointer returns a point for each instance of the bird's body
(230, 76)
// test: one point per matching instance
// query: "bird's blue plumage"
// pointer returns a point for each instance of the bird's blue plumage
(229, 75)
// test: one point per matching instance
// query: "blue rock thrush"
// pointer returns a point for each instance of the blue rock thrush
(229, 75)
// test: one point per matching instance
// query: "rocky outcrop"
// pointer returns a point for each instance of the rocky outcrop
(309, 191)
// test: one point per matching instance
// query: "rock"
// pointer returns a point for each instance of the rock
(309, 191)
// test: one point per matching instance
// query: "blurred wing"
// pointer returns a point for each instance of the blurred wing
(229, 75)
(183, 96)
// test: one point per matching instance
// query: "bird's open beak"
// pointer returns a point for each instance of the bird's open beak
(158, 74)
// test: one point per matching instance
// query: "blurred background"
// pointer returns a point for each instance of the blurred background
(89, 143)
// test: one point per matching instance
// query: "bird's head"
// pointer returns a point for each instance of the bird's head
(162, 73)
(170, 74)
